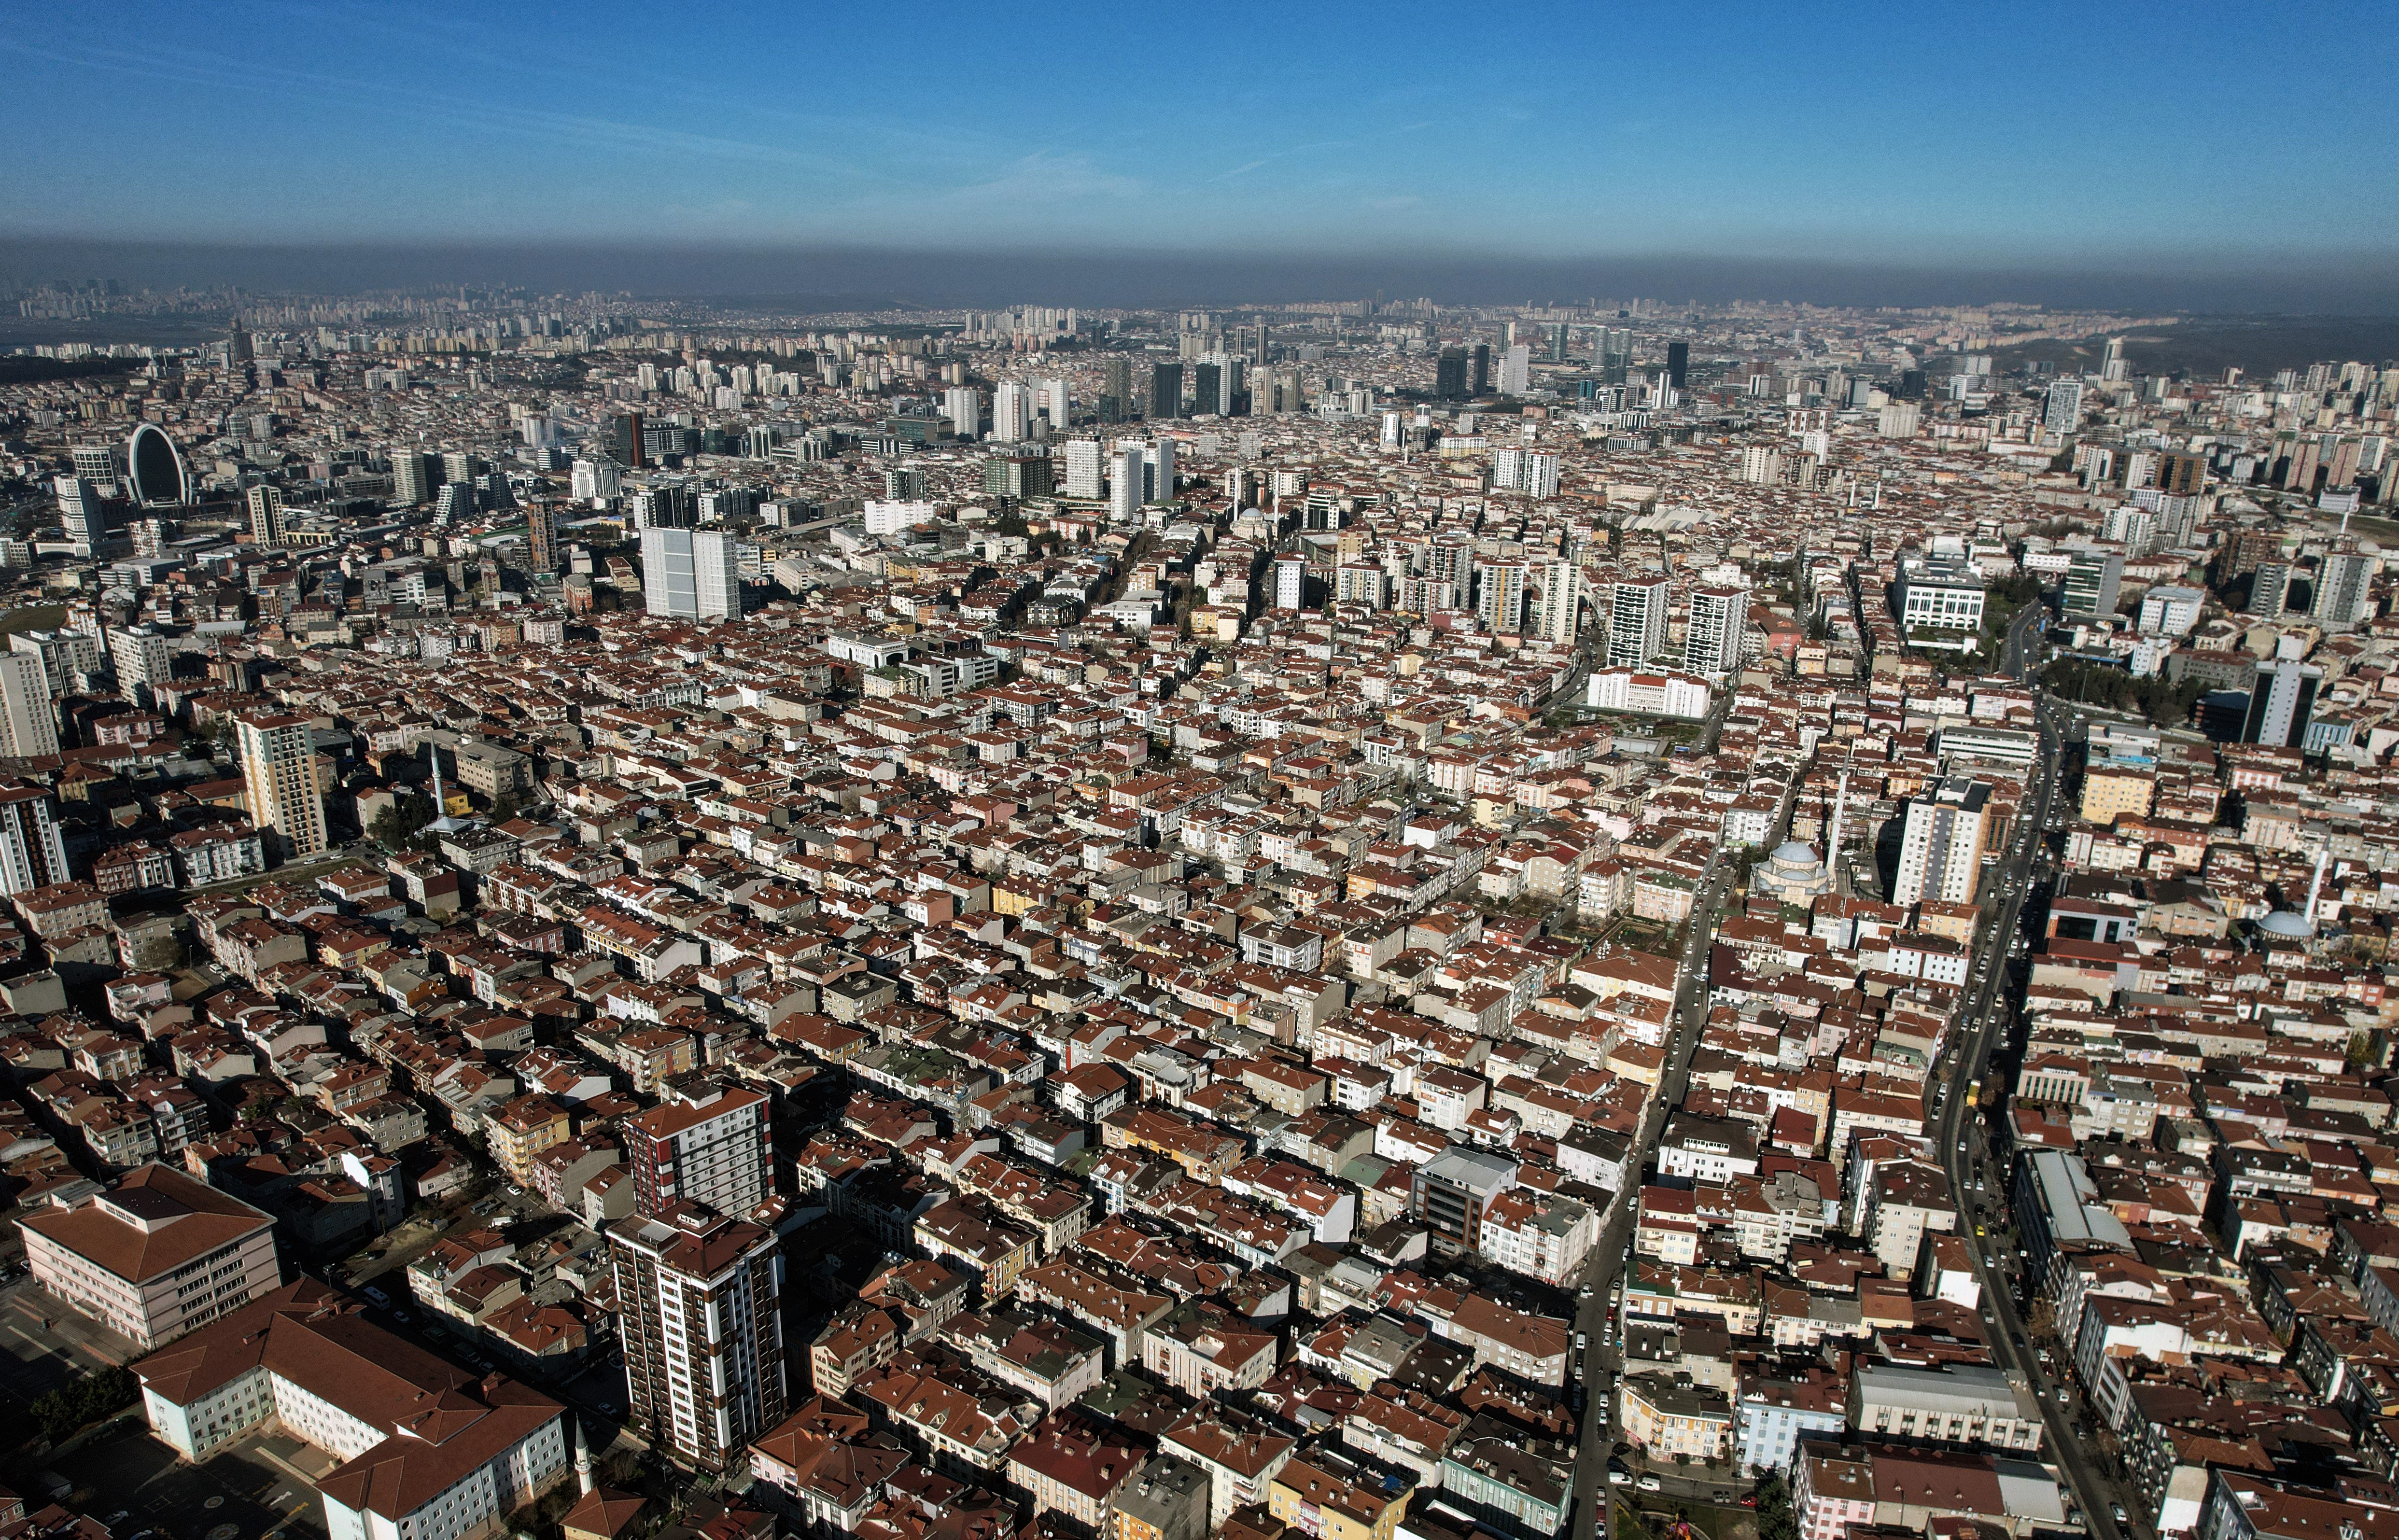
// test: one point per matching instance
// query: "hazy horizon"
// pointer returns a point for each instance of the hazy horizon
(2060, 153)
(862, 276)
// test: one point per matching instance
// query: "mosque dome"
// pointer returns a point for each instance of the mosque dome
(1793, 874)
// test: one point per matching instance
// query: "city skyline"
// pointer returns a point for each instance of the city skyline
(1750, 141)
(1366, 775)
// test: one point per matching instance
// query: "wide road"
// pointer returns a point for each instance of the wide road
(1965, 1149)
(1592, 1327)
(2017, 653)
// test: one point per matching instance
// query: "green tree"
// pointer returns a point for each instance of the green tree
(2155, 696)
(2015, 592)
(60, 1413)
(398, 824)
(1775, 1519)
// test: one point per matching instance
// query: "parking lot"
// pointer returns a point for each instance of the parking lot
(135, 1486)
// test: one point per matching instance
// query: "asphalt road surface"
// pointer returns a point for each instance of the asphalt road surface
(1965, 1152)
(1593, 1330)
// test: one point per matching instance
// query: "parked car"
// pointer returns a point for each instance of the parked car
(1648, 1483)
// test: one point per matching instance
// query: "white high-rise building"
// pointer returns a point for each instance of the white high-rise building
(142, 657)
(1516, 370)
(1290, 582)
(33, 851)
(1158, 464)
(2061, 412)
(28, 729)
(1125, 483)
(1361, 582)
(891, 516)
(1526, 470)
(1941, 854)
(595, 481)
(81, 511)
(67, 657)
(710, 1145)
(278, 772)
(691, 575)
(2170, 610)
(2340, 592)
(95, 461)
(1637, 621)
(717, 559)
(266, 516)
(1053, 403)
(1499, 590)
(1086, 470)
(1712, 644)
(963, 406)
(1558, 617)
(1010, 411)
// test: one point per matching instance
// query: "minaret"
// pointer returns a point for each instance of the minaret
(582, 1457)
(2315, 888)
(443, 822)
(1833, 836)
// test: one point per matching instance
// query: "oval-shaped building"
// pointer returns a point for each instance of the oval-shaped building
(154, 468)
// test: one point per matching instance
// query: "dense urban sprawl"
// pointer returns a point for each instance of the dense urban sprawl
(1362, 921)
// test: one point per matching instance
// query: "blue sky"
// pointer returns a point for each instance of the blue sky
(1934, 132)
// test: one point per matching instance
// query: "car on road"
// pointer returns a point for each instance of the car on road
(2116, 1511)
(1618, 1475)
(1648, 1483)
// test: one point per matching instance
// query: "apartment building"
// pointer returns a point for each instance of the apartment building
(699, 1311)
(155, 1256)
